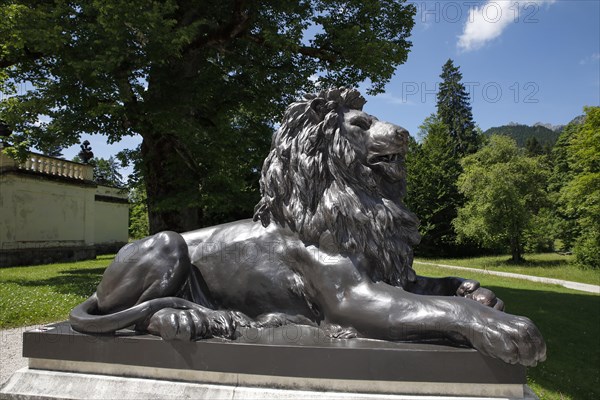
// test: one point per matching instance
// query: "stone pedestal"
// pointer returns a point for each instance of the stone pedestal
(290, 362)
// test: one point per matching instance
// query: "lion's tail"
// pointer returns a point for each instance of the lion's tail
(85, 317)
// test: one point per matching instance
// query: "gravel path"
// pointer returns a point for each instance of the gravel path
(584, 287)
(11, 347)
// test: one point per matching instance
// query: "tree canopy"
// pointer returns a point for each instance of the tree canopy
(580, 195)
(201, 83)
(433, 169)
(504, 190)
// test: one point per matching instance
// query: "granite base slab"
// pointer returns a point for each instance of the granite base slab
(29, 384)
(284, 360)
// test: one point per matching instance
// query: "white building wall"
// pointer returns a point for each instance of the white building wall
(40, 211)
(111, 216)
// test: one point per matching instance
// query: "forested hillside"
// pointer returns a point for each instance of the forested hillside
(520, 133)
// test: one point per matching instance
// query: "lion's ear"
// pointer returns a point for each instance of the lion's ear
(354, 100)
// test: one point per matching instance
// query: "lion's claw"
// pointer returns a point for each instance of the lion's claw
(499, 304)
(471, 289)
(466, 287)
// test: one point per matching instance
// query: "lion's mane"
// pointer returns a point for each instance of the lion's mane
(312, 181)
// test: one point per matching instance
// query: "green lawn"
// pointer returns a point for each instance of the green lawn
(569, 320)
(46, 293)
(549, 265)
(570, 323)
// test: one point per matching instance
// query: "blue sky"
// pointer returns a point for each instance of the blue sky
(543, 65)
(522, 61)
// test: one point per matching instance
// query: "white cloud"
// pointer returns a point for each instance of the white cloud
(487, 22)
(595, 57)
(395, 100)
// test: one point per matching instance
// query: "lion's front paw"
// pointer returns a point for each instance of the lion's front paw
(472, 290)
(513, 339)
(191, 324)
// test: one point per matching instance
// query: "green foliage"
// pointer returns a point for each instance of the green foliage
(533, 147)
(433, 169)
(201, 83)
(566, 229)
(528, 136)
(504, 190)
(539, 237)
(106, 172)
(454, 110)
(138, 213)
(53, 150)
(580, 195)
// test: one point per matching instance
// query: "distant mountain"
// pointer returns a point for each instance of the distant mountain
(555, 128)
(544, 133)
(578, 120)
(546, 137)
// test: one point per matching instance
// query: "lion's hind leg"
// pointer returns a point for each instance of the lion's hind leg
(151, 284)
(154, 267)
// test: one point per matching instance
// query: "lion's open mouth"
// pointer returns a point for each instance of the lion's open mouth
(385, 158)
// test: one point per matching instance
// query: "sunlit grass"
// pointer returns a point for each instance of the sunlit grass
(46, 293)
(549, 265)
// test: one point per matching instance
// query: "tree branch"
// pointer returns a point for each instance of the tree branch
(321, 54)
(240, 21)
(127, 95)
(6, 63)
(315, 52)
(31, 55)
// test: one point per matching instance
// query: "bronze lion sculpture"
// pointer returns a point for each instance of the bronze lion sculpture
(331, 244)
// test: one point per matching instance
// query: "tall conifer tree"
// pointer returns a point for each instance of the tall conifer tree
(434, 166)
(454, 110)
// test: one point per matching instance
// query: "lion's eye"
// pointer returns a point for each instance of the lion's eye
(362, 123)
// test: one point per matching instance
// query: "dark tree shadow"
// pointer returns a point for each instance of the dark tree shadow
(83, 271)
(549, 264)
(80, 282)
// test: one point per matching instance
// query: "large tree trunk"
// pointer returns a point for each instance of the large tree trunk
(516, 250)
(172, 188)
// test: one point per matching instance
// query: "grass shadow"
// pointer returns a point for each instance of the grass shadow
(548, 264)
(80, 282)
(570, 323)
(83, 271)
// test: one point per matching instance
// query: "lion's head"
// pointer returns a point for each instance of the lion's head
(335, 168)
